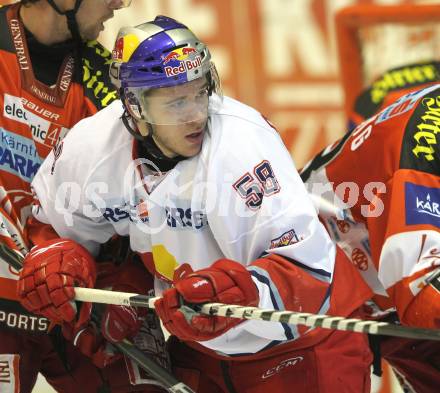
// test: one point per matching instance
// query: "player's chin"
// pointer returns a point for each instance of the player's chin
(93, 33)
(191, 151)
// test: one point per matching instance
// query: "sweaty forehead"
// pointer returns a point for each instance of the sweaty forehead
(180, 90)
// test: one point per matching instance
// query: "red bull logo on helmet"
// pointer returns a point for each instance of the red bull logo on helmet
(182, 57)
(179, 54)
(117, 50)
(124, 47)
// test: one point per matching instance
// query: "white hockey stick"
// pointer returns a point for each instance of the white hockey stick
(289, 317)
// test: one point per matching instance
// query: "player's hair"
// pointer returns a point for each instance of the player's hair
(24, 2)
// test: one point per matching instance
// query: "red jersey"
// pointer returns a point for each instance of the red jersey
(34, 118)
(378, 192)
(391, 85)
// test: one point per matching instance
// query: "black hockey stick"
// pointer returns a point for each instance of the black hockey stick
(126, 347)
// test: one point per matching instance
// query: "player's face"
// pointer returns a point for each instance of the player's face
(179, 116)
(92, 14)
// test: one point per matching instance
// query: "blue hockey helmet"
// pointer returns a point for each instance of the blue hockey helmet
(159, 54)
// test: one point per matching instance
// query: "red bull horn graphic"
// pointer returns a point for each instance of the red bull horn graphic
(181, 55)
(173, 55)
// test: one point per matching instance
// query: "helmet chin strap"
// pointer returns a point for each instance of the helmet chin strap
(72, 24)
(126, 120)
(149, 149)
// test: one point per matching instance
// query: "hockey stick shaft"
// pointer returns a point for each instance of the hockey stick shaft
(255, 313)
(126, 347)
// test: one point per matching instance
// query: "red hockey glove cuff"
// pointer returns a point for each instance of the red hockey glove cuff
(90, 343)
(119, 322)
(423, 309)
(49, 273)
(225, 281)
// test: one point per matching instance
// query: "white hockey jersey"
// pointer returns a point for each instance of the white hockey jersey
(239, 198)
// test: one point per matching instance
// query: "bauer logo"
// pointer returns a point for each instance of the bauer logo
(422, 205)
(43, 130)
(24, 111)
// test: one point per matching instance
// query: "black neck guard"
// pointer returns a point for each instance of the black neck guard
(47, 59)
(147, 148)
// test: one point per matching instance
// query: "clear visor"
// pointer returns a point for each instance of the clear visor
(117, 4)
(186, 103)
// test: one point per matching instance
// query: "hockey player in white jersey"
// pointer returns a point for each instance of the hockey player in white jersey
(210, 198)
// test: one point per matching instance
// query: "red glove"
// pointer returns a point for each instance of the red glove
(49, 273)
(225, 281)
(87, 338)
(119, 322)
